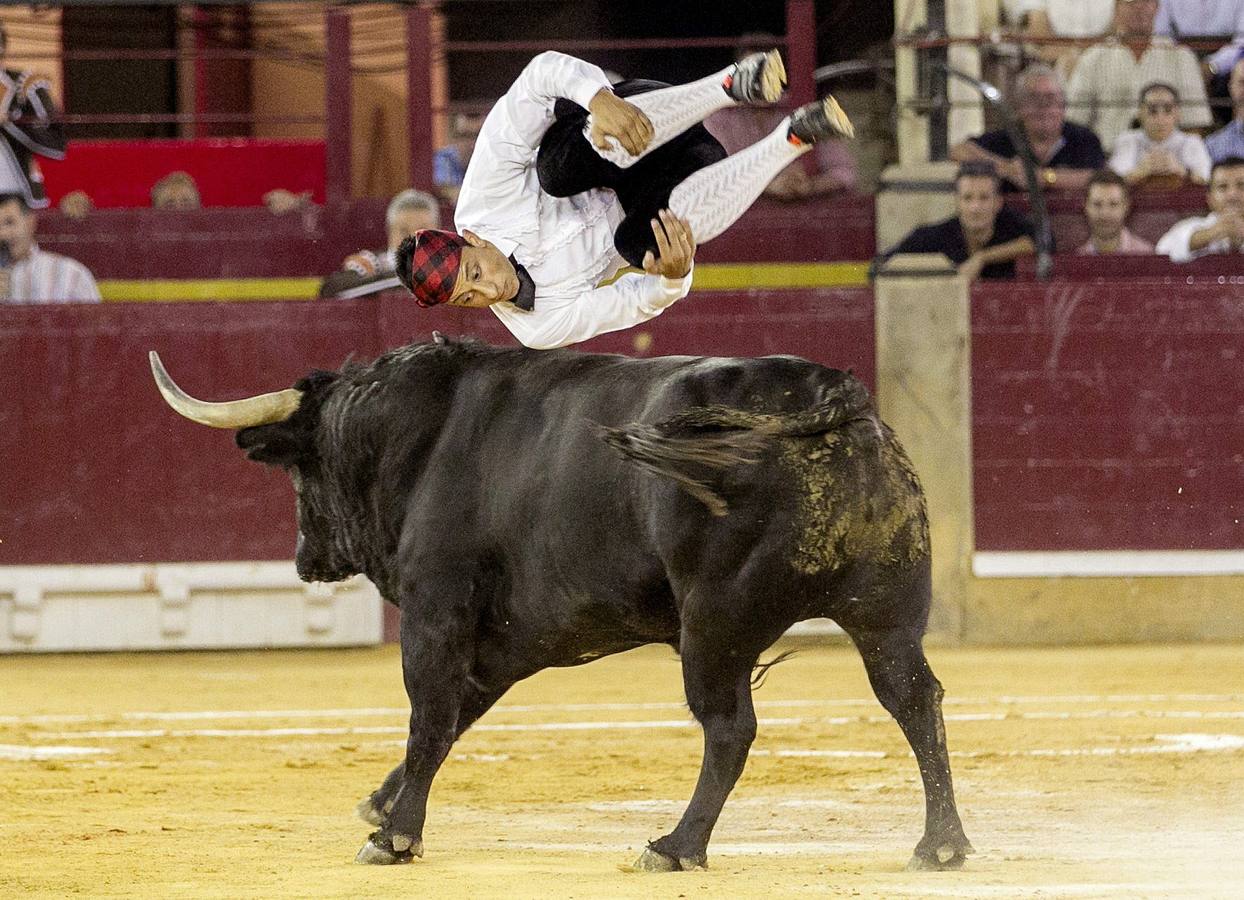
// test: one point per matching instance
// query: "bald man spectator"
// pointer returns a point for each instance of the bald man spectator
(1102, 91)
(1067, 154)
(408, 212)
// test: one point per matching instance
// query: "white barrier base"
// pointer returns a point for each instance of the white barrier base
(181, 606)
(1108, 564)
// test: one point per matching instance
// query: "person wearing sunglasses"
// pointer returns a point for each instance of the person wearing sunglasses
(1158, 153)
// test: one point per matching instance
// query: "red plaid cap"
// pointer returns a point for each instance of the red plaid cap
(434, 265)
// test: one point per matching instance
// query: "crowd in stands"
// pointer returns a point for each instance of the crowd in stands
(1124, 107)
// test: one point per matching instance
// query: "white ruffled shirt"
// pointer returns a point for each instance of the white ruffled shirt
(566, 244)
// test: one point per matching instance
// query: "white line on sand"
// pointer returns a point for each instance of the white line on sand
(371, 711)
(20, 752)
(639, 724)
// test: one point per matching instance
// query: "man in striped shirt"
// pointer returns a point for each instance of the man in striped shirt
(31, 275)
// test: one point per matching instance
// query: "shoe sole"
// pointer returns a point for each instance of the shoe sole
(837, 117)
(772, 77)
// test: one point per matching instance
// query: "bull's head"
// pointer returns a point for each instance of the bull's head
(280, 429)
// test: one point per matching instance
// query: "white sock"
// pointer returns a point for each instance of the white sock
(671, 111)
(713, 198)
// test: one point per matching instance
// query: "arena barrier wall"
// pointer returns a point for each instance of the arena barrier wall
(1107, 471)
(107, 484)
(1107, 475)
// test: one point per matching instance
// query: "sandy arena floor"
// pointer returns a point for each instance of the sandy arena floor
(1091, 772)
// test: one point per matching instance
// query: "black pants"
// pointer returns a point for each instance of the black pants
(567, 164)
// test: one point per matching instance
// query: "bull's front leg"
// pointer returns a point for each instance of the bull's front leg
(437, 648)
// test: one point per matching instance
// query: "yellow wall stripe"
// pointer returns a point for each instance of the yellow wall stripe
(708, 277)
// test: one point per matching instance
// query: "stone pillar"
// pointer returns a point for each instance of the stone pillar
(924, 394)
(911, 195)
(967, 118)
(912, 127)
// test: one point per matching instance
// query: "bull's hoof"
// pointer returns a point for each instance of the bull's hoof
(655, 861)
(368, 813)
(382, 851)
(943, 857)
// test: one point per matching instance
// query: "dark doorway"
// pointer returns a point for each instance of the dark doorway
(119, 85)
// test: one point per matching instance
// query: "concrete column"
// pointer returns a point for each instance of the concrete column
(967, 117)
(912, 127)
(911, 195)
(924, 394)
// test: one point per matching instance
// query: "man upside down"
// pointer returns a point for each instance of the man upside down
(572, 179)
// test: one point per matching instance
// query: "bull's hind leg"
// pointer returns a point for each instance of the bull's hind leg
(907, 688)
(716, 676)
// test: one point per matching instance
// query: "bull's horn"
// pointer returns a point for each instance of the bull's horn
(261, 410)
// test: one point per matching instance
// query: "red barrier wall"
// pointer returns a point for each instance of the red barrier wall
(1108, 415)
(229, 171)
(224, 243)
(97, 469)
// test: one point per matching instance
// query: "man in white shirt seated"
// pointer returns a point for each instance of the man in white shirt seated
(31, 275)
(569, 182)
(1222, 231)
(1158, 154)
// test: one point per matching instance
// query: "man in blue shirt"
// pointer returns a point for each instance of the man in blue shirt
(1228, 141)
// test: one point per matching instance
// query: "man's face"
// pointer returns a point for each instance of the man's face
(1135, 17)
(977, 202)
(1043, 108)
(407, 222)
(1226, 190)
(17, 228)
(1158, 113)
(1106, 209)
(485, 275)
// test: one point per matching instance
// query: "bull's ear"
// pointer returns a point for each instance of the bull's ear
(275, 445)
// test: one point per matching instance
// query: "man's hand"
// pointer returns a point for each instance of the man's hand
(971, 267)
(613, 117)
(1231, 226)
(675, 246)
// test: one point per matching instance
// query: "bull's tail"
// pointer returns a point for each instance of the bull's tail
(694, 447)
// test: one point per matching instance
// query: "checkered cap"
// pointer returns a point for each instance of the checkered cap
(434, 259)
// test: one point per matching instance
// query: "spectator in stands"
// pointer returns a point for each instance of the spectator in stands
(1222, 231)
(1103, 85)
(26, 107)
(1229, 140)
(984, 238)
(31, 275)
(449, 163)
(1157, 154)
(176, 190)
(1186, 19)
(1069, 19)
(179, 192)
(408, 212)
(737, 127)
(1106, 206)
(1067, 154)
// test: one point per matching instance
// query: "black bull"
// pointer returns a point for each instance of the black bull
(532, 509)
